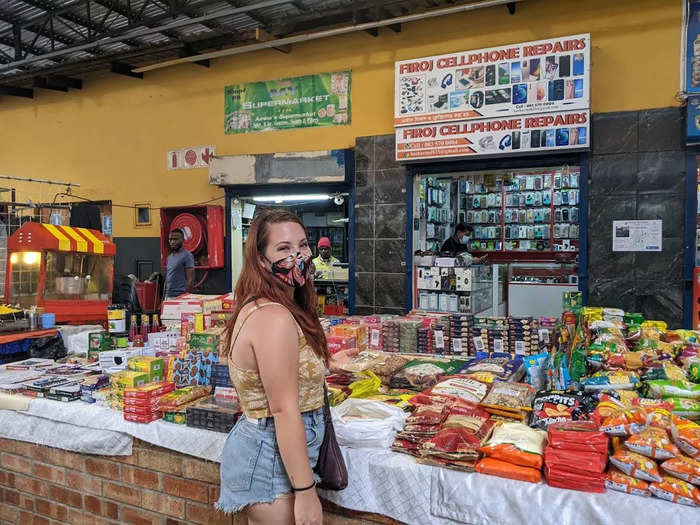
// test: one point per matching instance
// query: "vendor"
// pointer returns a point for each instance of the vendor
(459, 242)
(179, 274)
(325, 261)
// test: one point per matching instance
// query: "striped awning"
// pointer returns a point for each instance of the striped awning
(38, 236)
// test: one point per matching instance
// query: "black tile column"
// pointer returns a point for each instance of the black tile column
(637, 172)
(380, 229)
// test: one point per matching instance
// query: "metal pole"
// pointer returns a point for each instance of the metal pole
(325, 34)
(144, 32)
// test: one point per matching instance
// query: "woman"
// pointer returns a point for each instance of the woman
(277, 362)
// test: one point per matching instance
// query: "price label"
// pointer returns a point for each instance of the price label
(374, 337)
(439, 340)
(457, 345)
(543, 335)
(498, 345)
(520, 347)
(478, 344)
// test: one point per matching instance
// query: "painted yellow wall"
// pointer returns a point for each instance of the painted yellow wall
(112, 136)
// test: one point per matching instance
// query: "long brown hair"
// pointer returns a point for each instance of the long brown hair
(255, 282)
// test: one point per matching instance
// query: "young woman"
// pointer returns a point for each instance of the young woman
(277, 361)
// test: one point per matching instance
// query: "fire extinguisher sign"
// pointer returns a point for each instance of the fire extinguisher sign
(189, 158)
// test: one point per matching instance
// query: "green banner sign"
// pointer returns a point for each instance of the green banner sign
(300, 102)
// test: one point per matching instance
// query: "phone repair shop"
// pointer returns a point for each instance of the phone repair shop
(496, 141)
(316, 186)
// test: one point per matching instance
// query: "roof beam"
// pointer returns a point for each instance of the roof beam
(14, 91)
(69, 82)
(263, 36)
(122, 68)
(43, 83)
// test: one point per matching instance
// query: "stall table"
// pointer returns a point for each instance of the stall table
(73, 461)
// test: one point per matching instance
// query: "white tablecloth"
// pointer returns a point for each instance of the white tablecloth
(381, 481)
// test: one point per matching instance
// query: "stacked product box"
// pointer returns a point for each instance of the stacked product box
(461, 326)
(523, 335)
(142, 404)
(213, 413)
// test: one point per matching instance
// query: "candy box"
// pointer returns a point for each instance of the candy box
(337, 343)
(205, 342)
(139, 418)
(153, 366)
(149, 391)
(128, 379)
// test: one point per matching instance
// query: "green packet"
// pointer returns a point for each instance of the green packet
(685, 407)
(421, 373)
(668, 388)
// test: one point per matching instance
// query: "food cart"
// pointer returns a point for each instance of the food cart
(67, 271)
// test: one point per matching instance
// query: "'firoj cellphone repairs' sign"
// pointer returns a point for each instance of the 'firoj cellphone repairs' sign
(491, 89)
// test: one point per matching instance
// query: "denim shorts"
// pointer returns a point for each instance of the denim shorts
(251, 466)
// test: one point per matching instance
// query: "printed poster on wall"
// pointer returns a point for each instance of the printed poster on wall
(637, 236)
(692, 50)
(497, 136)
(533, 77)
(300, 102)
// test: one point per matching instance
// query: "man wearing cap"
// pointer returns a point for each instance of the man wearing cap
(325, 261)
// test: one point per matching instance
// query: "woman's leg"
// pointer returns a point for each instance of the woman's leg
(279, 512)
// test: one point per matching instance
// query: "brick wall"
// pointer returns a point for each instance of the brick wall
(45, 485)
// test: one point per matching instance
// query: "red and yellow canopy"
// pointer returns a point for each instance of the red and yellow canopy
(34, 236)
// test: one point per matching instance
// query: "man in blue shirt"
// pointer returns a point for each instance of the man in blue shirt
(179, 270)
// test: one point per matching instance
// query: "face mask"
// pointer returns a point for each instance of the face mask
(293, 270)
(464, 240)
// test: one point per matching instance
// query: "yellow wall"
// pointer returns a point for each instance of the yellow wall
(113, 135)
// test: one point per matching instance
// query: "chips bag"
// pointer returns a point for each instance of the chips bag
(619, 379)
(635, 465)
(654, 443)
(460, 387)
(617, 480)
(676, 490)
(686, 435)
(676, 388)
(683, 467)
(557, 405)
(625, 422)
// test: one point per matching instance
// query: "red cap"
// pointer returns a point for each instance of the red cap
(324, 242)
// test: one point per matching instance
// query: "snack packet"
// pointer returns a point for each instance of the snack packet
(460, 387)
(557, 405)
(677, 388)
(503, 469)
(635, 465)
(420, 374)
(686, 435)
(654, 443)
(536, 370)
(625, 422)
(607, 380)
(676, 490)
(683, 467)
(617, 480)
(517, 444)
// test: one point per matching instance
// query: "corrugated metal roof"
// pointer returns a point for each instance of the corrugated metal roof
(79, 22)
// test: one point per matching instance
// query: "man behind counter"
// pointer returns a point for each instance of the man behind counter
(325, 261)
(459, 241)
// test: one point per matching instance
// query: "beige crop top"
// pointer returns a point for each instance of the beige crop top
(249, 386)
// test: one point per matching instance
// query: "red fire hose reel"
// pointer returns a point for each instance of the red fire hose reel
(203, 229)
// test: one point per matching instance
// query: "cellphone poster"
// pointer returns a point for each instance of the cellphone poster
(494, 137)
(637, 236)
(532, 77)
(300, 102)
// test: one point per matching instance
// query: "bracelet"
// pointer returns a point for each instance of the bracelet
(305, 488)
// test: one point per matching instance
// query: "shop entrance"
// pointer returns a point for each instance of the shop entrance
(327, 211)
(526, 225)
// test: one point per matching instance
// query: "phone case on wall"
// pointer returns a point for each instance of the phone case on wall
(564, 66)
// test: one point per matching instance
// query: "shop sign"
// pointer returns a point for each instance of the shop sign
(496, 136)
(533, 77)
(300, 102)
(188, 158)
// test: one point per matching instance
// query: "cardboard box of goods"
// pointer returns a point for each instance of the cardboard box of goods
(153, 366)
(336, 343)
(190, 303)
(148, 391)
(227, 301)
(128, 379)
(117, 359)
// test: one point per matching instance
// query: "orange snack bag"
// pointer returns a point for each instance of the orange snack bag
(686, 435)
(676, 490)
(683, 467)
(617, 480)
(654, 443)
(516, 443)
(502, 469)
(636, 465)
(625, 422)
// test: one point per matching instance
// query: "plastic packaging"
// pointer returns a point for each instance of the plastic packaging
(495, 467)
(361, 423)
(654, 443)
(620, 379)
(516, 443)
(557, 405)
(617, 480)
(460, 388)
(683, 467)
(676, 490)
(636, 465)
(667, 388)
(536, 370)
(686, 435)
